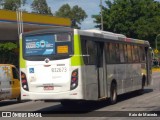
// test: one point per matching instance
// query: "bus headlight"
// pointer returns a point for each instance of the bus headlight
(74, 79)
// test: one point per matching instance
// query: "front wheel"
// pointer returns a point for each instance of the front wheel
(113, 93)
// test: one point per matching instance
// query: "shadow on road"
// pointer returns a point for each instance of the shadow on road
(87, 106)
(129, 95)
(9, 102)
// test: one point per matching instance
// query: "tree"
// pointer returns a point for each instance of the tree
(76, 14)
(41, 7)
(12, 4)
(8, 53)
(135, 18)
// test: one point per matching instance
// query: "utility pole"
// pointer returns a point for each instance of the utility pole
(101, 15)
(20, 18)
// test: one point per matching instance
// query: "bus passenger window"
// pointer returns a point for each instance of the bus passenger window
(112, 53)
(121, 50)
(136, 53)
(129, 53)
(91, 52)
(142, 54)
(133, 53)
(125, 53)
(107, 53)
(117, 53)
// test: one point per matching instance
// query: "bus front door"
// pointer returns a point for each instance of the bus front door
(100, 70)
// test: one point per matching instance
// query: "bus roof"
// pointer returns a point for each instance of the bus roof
(109, 36)
(93, 33)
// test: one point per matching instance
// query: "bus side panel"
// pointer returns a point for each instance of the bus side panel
(117, 73)
(127, 76)
(89, 78)
(136, 76)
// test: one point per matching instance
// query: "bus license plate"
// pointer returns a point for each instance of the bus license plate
(48, 88)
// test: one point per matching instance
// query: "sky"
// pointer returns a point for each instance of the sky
(91, 7)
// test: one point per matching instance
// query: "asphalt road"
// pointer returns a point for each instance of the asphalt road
(143, 104)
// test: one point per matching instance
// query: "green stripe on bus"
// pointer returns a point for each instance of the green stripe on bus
(77, 58)
(22, 61)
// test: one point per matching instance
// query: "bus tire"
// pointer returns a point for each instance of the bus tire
(113, 93)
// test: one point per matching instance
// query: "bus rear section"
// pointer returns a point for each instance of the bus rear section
(46, 71)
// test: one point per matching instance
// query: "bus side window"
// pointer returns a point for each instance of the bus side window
(112, 52)
(133, 53)
(117, 53)
(129, 50)
(142, 54)
(84, 51)
(137, 53)
(107, 53)
(125, 53)
(15, 73)
(121, 50)
(91, 52)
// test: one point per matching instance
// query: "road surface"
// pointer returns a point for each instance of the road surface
(144, 104)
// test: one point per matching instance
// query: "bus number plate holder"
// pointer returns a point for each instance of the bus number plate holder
(48, 88)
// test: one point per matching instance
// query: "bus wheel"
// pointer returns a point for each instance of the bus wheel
(113, 93)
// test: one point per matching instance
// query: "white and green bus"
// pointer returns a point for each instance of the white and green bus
(69, 65)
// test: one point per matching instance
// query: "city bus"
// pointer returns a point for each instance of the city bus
(70, 65)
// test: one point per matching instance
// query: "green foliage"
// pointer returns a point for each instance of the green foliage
(135, 18)
(75, 13)
(12, 4)
(41, 7)
(8, 54)
(8, 46)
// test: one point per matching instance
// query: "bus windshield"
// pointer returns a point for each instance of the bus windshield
(47, 45)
